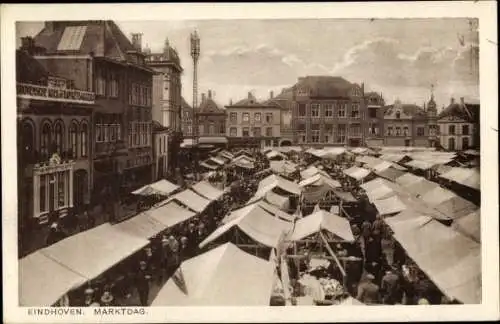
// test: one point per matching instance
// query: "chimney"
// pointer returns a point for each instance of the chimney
(27, 44)
(462, 101)
(363, 88)
(137, 41)
(49, 26)
(230, 102)
(209, 94)
(203, 98)
(271, 95)
(452, 101)
(249, 95)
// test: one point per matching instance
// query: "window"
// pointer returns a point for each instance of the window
(355, 110)
(372, 112)
(246, 132)
(302, 110)
(73, 149)
(451, 144)
(189, 129)
(256, 132)
(389, 131)
(246, 118)
(101, 82)
(233, 132)
(301, 133)
(200, 129)
(61, 189)
(113, 84)
(257, 117)
(406, 131)
(398, 131)
(28, 139)
(84, 133)
(420, 131)
(233, 117)
(465, 143)
(315, 136)
(341, 133)
(269, 118)
(315, 110)
(222, 128)
(302, 92)
(465, 129)
(328, 133)
(43, 194)
(328, 110)
(398, 114)
(355, 130)
(59, 137)
(341, 110)
(432, 130)
(211, 129)
(373, 129)
(269, 131)
(451, 130)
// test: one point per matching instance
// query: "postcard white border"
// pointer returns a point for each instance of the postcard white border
(484, 10)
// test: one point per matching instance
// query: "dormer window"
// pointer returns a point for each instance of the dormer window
(398, 114)
(302, 92)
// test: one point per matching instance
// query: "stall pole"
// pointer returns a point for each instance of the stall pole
(330, 251)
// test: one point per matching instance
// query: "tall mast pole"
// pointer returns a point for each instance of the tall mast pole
(195, 54)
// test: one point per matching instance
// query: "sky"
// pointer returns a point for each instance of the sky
(400, 58)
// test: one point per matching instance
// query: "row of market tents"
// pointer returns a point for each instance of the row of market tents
(49, 273)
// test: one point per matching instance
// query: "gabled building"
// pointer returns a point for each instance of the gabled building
(374, 130)
(328, 111)
(253, 123)
(161, 135)
(101, 59)
(211, 121)
(285, 101)
(459, 127)
(187, 119)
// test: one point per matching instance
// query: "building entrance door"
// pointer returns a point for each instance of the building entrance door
(407, 142)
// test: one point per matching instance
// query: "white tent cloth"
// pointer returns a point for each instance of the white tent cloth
(42, 281)
(206, 190)
(162, 187)
(389, 205)
(170, 214)
(349, 301)
(357, 173)
(192, 200)
(274, 181)
(208, 166)
(456, 207)
(276, 211)
(321, 220)
(217, 160)
(224, 276)
(309, 172)
(258, 224)
(92, 252)
(408, 179)
(141, 225)
(469, 225)
(320, 180)
(284, 166)
(421, 165)
(437, 196)
(274, 154)
(464, 176)
(278, 200)
(421, 187)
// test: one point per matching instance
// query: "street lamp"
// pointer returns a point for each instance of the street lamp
(195, 54)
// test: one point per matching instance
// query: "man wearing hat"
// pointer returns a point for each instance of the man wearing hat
(390, 287)
(142, 283)
(107, 299)
(89, 296)
(368, 292)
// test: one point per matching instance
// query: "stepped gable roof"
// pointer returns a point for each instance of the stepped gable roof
(408, 111)
(326, 86)
(210, 106)
(466, 111)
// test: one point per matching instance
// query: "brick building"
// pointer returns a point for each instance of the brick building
(100, 58)
(54, 153)
(459, 127)
(329, 111)
(410, 124)
(253, 123)
(374, 118)
(211, 121)
(285, 101)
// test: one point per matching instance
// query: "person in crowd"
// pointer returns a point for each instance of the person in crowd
(56, 234)
(192, 237)
(107, 299)
(368, 291)
(201, 233)
(390, 288)
(89, 296)
(387, 244)
(377, 226)
(184, 249)
(172, 254)
(142, 283)
(409, 280)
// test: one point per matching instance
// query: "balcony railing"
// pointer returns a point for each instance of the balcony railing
(31, 91)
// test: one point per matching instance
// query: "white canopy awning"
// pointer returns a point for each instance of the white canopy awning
(141, 225)
(206, 190)
(464, 176)
(469, 225)
(388, 206)
(170, 214)
(92, 252)
(321, 220)
(357, 173)
(161, 187)
(209, 166)
(191, 200)
(284, 166)
(43, 281)
(309, 172)
(320, 180)
(257, 223)
(408, 179)
(274, 181)
(224, 276)
(437, 196)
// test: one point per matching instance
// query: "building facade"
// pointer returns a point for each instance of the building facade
(211, 121)
(410, 124)
(328, 111)
(285, 101)
(254, 123)
(459, 126)
(374, 118)
(103, 60)
(160, 151)
(54, 143)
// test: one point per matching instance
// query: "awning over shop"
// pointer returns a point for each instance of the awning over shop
(388, 206)
(161, 187)
(142, 225)
(321, 220)
(390, 174)
(443, 169)
(464, 176)
(360, 150)
(43, 281)
(258, 224)
(469, 225)
(92, 252)
(243, 152)
(212, 140)
(206, 190)
(224, 276)
(320, 180)
(451, 260)
(170, 214)
(244, 162)
(192, 200)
